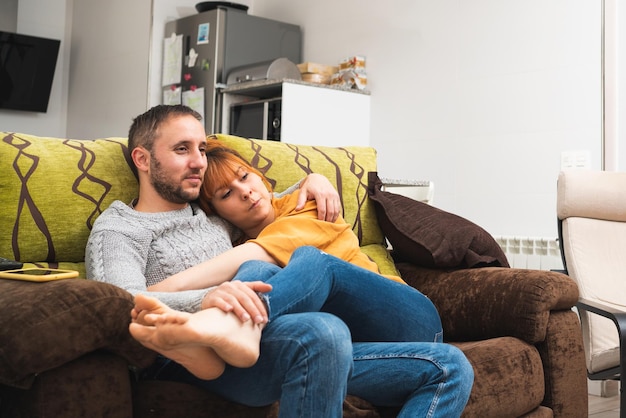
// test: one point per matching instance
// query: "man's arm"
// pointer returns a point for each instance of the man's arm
(319, 188)
(117, 259)
(214, 271)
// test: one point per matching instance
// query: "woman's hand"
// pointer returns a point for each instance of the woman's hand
(240, 298)
(317, 187)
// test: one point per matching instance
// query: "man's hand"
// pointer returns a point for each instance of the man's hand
(240, 298)
(317, 187)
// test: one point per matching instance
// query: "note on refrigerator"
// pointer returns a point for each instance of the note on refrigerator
(172, 96)
(194, 98)
(172, 59)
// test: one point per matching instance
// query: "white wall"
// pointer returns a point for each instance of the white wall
(48, 19)
(479, 96)
(8, 15)
(109, 66)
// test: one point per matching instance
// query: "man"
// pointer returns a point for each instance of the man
(307, 360)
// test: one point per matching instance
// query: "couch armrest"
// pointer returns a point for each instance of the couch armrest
(46, 325)
(489, 302)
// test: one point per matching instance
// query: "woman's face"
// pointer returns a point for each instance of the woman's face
(245, 202)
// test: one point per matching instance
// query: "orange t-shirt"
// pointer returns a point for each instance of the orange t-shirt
(292, 229)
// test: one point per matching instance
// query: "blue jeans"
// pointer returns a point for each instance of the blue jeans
(309, 360)
(373, 307)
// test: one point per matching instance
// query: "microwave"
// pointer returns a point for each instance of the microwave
(258, 119)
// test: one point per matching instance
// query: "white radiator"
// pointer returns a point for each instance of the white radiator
(531, 252)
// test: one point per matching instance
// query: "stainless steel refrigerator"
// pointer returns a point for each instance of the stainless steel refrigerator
(201, 50)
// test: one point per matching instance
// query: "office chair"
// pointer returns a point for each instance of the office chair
(591, 212)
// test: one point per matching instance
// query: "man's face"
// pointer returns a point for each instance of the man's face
(178, 160)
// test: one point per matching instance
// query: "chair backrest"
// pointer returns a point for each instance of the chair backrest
(591, 211)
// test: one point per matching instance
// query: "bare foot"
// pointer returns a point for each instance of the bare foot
(202, 362)
(200, 342)
(235, 342)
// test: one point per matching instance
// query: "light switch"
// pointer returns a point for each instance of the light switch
(575, 160)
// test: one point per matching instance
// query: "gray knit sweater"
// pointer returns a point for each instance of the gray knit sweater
(134, 250)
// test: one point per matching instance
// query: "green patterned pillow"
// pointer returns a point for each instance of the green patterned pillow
(346, 167)
(382, 258)
(53, 190)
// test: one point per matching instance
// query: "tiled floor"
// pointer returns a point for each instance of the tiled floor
(603, 407)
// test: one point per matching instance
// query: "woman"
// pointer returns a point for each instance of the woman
(237, 192)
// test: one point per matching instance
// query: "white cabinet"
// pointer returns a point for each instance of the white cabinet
(311, 114)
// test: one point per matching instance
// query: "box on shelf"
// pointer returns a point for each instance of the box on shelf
(311, 67)
(316, 73)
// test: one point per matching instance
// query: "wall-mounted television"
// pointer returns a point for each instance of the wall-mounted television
(27, 66)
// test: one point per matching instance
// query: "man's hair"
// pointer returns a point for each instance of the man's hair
(145, 127)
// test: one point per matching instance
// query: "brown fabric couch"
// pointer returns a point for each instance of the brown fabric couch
(65, 350)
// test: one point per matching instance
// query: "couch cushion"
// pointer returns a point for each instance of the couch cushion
(430, 237)
(47, 184)
(161, 398)
(95, 385)
(504, 368)
(46, 325)
(346, 167)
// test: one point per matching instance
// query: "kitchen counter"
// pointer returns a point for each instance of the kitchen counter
(273, 88)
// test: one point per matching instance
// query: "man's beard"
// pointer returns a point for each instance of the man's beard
(166, 188)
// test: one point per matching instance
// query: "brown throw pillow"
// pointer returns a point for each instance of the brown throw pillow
(427, 236)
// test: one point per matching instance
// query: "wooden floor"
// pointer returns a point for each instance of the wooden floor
(603, 407)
